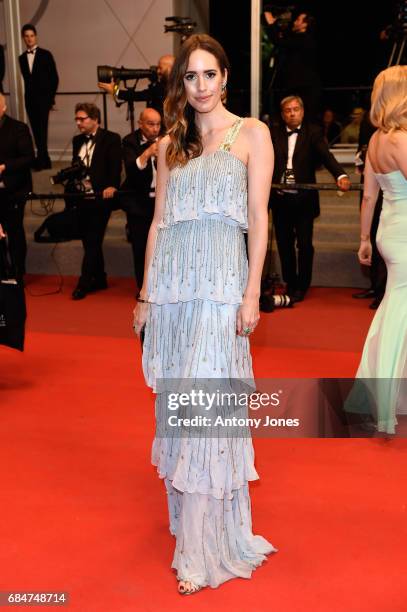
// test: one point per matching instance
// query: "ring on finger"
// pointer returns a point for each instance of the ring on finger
(247, 330)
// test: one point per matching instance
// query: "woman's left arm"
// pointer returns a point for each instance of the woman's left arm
(260, 172)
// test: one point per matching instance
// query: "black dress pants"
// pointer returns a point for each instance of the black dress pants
(93, 217)
(38, 114)
(293, 225)
(138, 227)
(12, 220)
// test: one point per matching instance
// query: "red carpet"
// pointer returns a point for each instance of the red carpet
(83, 510)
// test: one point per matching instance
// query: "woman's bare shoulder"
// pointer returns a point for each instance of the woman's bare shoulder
(164, 142)
(256, 129)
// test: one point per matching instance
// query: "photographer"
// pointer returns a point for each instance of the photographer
(100, 151)
(140, 154)
(155, 93)
(296, 68)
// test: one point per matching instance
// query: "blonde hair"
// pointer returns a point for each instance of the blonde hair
(389, 99)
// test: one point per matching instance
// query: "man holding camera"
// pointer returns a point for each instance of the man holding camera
(297, 65)
(139, 154)
(16, 157)
(100, 152)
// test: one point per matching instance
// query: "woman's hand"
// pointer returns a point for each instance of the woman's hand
(365, 253)
(140, 316)
(248, 316)
(2, 234)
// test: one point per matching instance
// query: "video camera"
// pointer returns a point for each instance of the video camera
(182, 25)
(283, 15)
(107, 73)
(76, 172)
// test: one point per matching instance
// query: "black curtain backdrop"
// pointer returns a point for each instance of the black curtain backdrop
(349, 47)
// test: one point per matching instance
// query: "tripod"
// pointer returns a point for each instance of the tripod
(397, 50)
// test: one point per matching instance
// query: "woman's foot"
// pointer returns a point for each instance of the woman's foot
(186, 587)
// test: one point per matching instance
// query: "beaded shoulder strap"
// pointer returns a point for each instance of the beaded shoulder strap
(231, 135)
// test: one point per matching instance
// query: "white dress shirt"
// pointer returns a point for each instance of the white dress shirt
(31, 57)
(86, 154)
(292, 141)
(142, 166)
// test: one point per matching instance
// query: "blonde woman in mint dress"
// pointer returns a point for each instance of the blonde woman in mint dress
(383, 368)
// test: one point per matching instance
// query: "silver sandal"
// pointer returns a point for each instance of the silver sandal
(194, 588)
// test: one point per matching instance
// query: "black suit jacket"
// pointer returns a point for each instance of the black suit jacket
(140, 203)
(153, 96)
(106, 165)
(41, 84)
(2, 67)
(17, 153)
(297, 64)
(310, 152)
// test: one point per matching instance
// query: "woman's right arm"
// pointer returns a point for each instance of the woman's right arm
(141, 309)
(370, 195)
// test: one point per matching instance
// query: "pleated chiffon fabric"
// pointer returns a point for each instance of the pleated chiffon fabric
(196, 280)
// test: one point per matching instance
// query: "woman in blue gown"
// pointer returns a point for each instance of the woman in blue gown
(199, 304)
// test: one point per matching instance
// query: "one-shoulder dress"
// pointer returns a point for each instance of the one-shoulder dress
(196, 280)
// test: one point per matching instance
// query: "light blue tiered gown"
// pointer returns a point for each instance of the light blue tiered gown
(384, 360)
(196, 280)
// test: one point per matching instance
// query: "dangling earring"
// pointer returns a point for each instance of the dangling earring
(224, 86)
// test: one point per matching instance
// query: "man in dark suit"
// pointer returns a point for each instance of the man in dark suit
(299, 149)
(41, 82)
(100, 152)
(139, 154)
(16, 156)
(296, 62)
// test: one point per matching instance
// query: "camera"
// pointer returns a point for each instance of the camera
(77, 171)
(283, 15)
(107, 73)
(182, 25)
(270, 297)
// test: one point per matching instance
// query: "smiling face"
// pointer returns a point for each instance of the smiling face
(203, 81)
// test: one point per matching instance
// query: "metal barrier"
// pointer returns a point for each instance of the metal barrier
(99, 92)
(280, 186)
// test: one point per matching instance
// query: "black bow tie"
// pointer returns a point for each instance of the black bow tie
(33, 51)
(89, 138)
(295, 131)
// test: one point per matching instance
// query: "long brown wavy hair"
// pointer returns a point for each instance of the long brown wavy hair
(185, 139)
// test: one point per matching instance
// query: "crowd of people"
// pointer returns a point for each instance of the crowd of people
(293, 211)
(100, 151)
